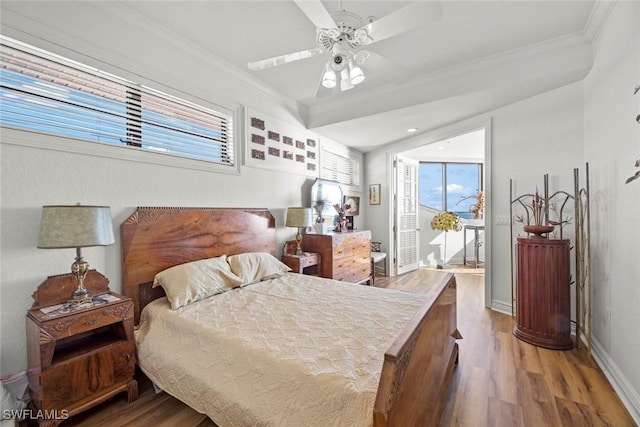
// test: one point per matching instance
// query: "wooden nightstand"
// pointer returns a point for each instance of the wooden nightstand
(298, 263)
(82, 356)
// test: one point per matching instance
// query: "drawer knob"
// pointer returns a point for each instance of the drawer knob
(91, 322)
(127, 357)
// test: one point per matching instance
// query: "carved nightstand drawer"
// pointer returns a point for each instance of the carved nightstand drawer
(74, 324)
(298, 263)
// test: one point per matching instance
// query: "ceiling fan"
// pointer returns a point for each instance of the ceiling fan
(343, 34)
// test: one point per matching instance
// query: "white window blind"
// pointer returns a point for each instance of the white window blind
(339, 168)
(44, 92)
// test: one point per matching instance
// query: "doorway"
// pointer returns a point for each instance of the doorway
(449, 157)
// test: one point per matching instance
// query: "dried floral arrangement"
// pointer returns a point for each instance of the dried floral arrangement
(478, 208)
(342, 225)
(538, 210)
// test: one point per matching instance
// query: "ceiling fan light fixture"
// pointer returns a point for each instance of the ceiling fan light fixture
(356, 76)
(345, 82)
(329, 79)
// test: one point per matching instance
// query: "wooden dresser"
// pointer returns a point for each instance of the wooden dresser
(343, 256)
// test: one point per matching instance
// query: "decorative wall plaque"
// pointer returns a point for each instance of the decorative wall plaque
(277, 145)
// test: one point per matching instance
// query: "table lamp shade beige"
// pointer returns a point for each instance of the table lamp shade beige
(76, 226)
(299, 218)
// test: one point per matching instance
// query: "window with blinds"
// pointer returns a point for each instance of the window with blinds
(339, 168)
(47, 93)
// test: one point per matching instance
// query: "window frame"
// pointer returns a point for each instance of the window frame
(332, 155)
(24, 136)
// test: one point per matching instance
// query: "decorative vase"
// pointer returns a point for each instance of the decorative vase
(320, 228)
(538, 230)
(444, 265)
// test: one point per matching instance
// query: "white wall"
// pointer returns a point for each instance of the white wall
(537, 136)
(32, 177)
(612, 143)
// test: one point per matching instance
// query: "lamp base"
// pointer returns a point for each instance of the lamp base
(299, 243)
(80, 296)
(80, 268)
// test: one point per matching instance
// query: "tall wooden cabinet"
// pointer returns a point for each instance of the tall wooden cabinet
(344, 256)
(543, 281)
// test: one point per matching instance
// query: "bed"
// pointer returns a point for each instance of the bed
(290, 350)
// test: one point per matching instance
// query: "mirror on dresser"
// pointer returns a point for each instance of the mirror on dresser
(324, 194)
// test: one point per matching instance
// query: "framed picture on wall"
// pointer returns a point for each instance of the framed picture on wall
(374, 194)
(354, 205)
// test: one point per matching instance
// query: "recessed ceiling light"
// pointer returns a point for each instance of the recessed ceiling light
(411, 130)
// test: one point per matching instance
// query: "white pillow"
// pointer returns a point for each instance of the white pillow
(193, 281)
(253, 267)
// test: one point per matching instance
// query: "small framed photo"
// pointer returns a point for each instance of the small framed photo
(354, 205)
(374, 194)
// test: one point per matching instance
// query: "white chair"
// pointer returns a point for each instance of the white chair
(377, 256)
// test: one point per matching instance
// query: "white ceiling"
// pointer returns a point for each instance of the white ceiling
(468, 147)
(478, 56)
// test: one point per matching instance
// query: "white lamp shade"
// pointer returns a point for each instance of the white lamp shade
(299, 217)
(345, 83)
(75, 226)
(329, 78)
(356, 75)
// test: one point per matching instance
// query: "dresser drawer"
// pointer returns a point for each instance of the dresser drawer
(353, 269)
(344, 256)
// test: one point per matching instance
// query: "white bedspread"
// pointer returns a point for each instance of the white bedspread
(292, 351)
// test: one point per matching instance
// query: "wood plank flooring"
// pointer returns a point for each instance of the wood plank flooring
(500, 380)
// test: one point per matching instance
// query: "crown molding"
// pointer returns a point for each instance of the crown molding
(598, 18)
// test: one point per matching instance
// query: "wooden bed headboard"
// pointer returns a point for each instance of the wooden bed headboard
(156, 238)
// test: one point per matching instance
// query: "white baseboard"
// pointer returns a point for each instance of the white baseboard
(501, 307)
(625, 391)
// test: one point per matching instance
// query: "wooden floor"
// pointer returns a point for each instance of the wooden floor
(500, 380)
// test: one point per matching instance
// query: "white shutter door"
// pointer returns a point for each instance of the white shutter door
(406, 215)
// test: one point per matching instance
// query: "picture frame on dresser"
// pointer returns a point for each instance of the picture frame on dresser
(354, 204)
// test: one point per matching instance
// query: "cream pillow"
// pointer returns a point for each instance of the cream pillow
(253, 267)
(193, 281)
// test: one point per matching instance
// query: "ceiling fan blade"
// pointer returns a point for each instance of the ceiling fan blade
(317, 13)
(383, 67)
(405, 19)
(284, 59)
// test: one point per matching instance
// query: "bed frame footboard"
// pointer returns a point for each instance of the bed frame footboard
(419, 365)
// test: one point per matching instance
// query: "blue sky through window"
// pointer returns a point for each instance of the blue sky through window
(461, 180)
(46, 106)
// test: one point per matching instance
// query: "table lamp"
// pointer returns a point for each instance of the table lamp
(76, 226)
(300, 218)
